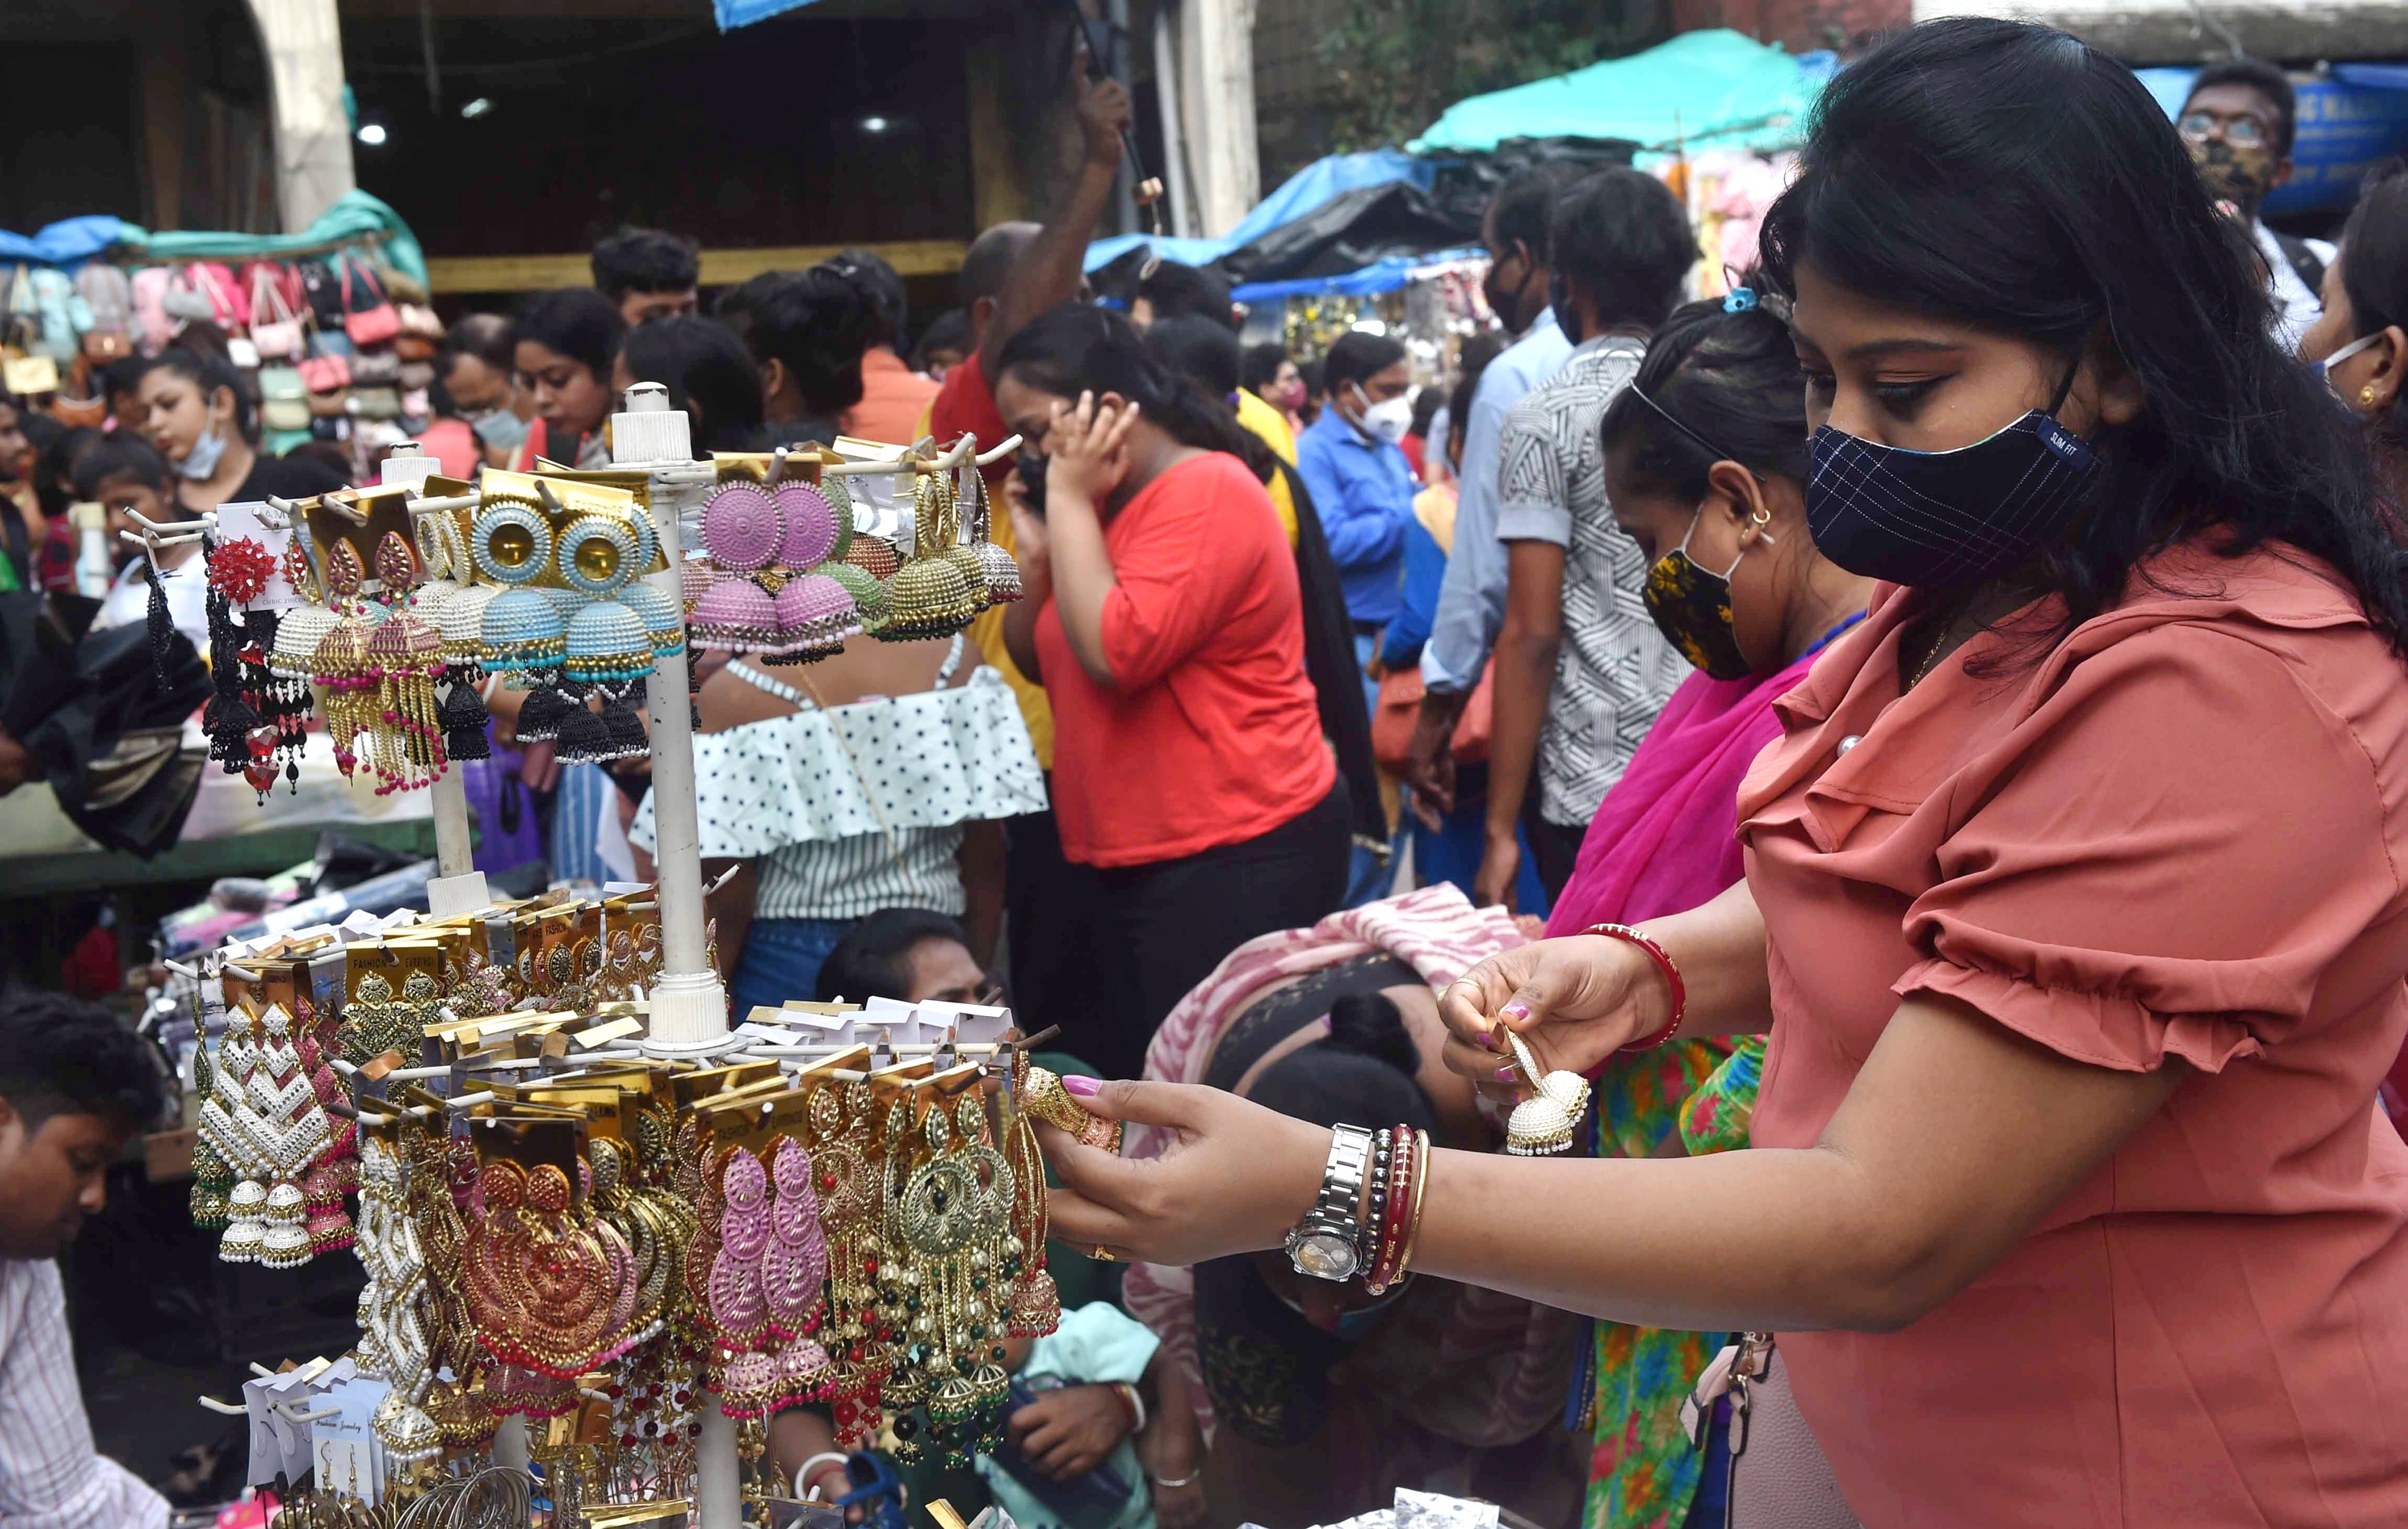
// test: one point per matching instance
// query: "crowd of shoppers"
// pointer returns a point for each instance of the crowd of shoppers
(1962, 1033)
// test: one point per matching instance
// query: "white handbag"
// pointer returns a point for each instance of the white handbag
(277, 339)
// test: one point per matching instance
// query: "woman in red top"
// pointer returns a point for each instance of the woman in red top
(1163, 619)
(2075, 902)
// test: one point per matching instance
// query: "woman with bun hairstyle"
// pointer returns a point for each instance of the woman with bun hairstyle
(2073, 906)
(1320, 1400)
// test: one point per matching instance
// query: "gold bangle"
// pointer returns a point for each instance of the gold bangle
(1422, 1160)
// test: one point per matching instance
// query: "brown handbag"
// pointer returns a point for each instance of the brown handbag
(1401, 707)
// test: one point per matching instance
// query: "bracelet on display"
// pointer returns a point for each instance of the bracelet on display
(1665, 964)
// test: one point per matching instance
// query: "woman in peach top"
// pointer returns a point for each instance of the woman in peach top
(2077, 894)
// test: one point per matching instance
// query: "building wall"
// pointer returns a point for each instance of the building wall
(2181, 32)
(1798, 25)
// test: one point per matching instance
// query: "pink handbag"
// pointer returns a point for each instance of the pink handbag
(274, 328)
(376, 322)
(1779, 1478)
(324, 374)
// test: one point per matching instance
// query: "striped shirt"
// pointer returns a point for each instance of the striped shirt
(51, 1477)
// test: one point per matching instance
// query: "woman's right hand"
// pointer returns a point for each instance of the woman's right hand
(1575, 1001)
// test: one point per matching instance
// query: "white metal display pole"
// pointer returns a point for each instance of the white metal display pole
(461, 887)
(689, 1003)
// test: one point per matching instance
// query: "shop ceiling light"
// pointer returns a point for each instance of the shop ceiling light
(476, 108)
(372, 134)
(873, 124)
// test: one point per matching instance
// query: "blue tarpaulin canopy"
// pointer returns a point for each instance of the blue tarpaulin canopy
(1308, 189)
(1713, 89)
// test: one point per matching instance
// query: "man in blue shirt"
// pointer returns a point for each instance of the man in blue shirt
(1471, 602)
(1362, 486)
(1363, 489)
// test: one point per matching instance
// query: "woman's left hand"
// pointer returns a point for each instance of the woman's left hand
(1238, 1177)
(1086, 448)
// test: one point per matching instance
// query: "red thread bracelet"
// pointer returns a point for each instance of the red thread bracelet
(1664, 962)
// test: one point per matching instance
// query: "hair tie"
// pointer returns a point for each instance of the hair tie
(1740, 300)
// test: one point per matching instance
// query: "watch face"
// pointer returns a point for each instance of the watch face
(1324, 1255)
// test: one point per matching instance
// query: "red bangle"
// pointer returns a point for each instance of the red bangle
(1403, 1162)
(1664, 962)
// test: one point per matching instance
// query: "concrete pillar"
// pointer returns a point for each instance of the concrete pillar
(304, 44)
(1216, 100)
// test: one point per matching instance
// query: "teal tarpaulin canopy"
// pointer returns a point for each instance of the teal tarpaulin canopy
(356, 218)
(1713, 89)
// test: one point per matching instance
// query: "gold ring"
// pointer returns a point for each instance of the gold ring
(1103, 1255)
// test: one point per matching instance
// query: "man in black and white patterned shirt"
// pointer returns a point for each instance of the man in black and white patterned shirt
(75, 1085)
(1581, 670)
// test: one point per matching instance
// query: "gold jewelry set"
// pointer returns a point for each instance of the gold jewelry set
(596, 1248)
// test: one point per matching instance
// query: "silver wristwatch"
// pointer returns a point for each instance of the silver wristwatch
(1327, 1243)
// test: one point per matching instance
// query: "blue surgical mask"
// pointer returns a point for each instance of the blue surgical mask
(500, 428)
(1948, 520)
(2324, 369)
(1356, 1325)
(206, 454)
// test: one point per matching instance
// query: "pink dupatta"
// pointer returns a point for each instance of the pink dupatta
(1666, 837)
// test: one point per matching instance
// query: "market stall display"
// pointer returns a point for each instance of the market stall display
(601, 1233)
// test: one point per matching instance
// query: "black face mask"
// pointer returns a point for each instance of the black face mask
(1031, 468)
(1507, 304)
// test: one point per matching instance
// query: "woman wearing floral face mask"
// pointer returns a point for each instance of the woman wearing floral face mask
(1705, 463)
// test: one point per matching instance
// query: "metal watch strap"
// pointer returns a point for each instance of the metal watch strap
(1337, 1208)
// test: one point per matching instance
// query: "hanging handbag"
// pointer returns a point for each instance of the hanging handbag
(151, 322)
(417, 376)
(283, 397)
(372, 321)
(322, 293)
(275, 329)
(375, 403)
(376, 368)
(108, 294)
(23, 371)
(1779, 1478)
(64, 316)
(184, 301)
(229, 305)
(1399, 710)
(421, 333)
(325, 373)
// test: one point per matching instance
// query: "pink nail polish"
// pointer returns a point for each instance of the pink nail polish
(1084, 1088)
(1506, 1074)
(1516, 1011)
(1488, 1041)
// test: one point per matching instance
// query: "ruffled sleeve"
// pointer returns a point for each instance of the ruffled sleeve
(925, 760)
(2169, 856)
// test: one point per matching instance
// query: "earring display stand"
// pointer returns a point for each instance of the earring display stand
(689, 1003)
(461, 889)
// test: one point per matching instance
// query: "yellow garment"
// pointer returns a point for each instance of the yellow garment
(1269, 424)
(1434, 507)
(987, 632)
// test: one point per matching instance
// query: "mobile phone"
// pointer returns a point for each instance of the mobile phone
(1031, 468)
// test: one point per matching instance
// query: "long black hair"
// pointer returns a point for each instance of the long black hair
(577, 322)
(2374, 275)
(819, 323)
(1075, 348)
(1727, 376)
(2010, 177)
(707, 369)
(1363, 1071)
